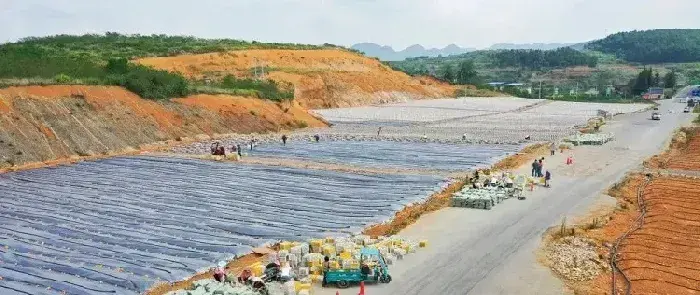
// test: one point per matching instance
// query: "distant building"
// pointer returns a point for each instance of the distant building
(654, 93)
(592, 92)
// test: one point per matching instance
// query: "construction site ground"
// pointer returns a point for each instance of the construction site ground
(663, 255)
(495, 252)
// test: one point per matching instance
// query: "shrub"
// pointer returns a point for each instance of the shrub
(62, 79)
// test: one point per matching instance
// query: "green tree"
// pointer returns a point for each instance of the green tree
(643, 81)
(448, 74)
(117, 65)
(670, 80)
(656, 81)
(466, 73)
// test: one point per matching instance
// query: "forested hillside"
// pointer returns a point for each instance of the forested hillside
(652, 46)
(496, 64)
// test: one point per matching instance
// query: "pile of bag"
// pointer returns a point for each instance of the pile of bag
(212, 287)
(590, 138)
(480, 198)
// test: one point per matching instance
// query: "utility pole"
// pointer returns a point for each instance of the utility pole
(540, 89)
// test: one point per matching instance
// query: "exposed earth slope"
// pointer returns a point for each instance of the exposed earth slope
(321, 78)
(44, 123)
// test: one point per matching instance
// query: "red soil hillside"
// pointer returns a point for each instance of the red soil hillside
(321, 78)
(45, 123)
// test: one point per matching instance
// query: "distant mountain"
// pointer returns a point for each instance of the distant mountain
(540, 46)
(387, 53)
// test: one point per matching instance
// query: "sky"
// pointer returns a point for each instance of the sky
(398, 23)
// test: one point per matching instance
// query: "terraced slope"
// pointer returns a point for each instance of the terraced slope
(688, 157)
(46, 123)
(321, 78)
(663, 257)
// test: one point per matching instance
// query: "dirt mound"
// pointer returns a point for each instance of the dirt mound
(683, 153)
(320, 78)
(44, 123)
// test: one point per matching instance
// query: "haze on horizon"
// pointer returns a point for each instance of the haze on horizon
(398, 23)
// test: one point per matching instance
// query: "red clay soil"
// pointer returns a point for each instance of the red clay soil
(42, 124)
(325, 78)
(663, 257)
(688, 157)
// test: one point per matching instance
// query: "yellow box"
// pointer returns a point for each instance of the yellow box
(316, 278)
(334, 265)
(345, 255)
(315, 245)
(330, 240)
(286, 246)
(257, 269)
(328, 250)
(423, 244)
(298, 286)
(314, 263)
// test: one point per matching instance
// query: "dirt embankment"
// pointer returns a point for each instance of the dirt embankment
(683, 154)
(56, 123)
(320, 78)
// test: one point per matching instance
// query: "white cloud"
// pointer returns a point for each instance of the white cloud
(399, 23)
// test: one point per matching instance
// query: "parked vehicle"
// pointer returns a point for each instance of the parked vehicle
(656, 116)
(373, 269)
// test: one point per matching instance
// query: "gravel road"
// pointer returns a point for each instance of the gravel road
(493, 252)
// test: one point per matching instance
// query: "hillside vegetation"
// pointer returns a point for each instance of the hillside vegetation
(162, 67)
(91, 60)
(652, 46)
(616, 68)
(497, 64)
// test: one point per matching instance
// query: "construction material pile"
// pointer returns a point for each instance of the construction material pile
(575, 258)
(483, 198)
(212, 287)
(590, 138)
(306, 259)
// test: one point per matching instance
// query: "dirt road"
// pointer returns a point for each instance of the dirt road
(493, 252)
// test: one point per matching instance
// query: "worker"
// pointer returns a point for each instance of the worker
(317, 137)
(464, 137)
(379, 130)
(284, 139)
(238, 148)
(527, 137)
(326, 268)
(220, 273)
(552, 148)
(539, 167)
(245, 276)
(534, 168)
(547, 178)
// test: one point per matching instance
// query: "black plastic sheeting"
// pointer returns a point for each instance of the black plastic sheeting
(380, 154)
(117, 226)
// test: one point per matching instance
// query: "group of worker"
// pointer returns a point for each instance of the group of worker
(492, 180)
(317, 138)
